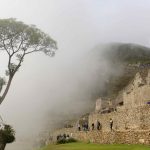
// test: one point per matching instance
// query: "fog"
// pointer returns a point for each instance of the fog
(65, 84)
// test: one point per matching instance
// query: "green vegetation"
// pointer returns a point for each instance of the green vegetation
(130, 53)
(63, 141)
(8, 134)
(85, 146)
(18, 40)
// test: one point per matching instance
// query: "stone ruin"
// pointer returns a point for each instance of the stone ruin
(130, 112)
(130, 109)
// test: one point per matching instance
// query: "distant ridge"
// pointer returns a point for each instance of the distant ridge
(133, 58)
(131, 53)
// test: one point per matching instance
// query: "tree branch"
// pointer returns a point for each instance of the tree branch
(32, 52)
(19, 46)
(5, 47)
(36, 50)
(11, 46)
(9, 62)
(19, 64)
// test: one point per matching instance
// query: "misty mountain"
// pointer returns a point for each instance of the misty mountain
(102, 72)
(129, 58)
(130, 53)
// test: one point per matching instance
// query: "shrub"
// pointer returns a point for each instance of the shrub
(70, 140)
(63, 141)
(7, 134)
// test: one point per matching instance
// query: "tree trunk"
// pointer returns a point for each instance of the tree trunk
(2, 142)
(2, 146)
(6, 89)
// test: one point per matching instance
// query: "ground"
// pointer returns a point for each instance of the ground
(86, 146)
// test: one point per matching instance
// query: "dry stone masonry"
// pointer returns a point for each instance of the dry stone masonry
(130, 112)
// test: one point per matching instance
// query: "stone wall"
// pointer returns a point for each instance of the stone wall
(107, 137)
(131, 126)
(123, 118)
(131, 121)
(137, 92)
(137, 97)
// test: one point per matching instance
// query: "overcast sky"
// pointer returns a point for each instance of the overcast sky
(77, 26)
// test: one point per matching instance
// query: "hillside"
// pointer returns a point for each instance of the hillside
(106, 73)
(129, 53)
(124, 61)
(131, 58)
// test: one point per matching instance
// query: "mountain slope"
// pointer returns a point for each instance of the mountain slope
(130, 59)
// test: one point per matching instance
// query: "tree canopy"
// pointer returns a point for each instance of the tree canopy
(18, 40)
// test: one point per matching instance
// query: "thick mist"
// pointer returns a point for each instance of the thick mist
(82, 81)
(45, 89)
(50, 93)
(39, 95)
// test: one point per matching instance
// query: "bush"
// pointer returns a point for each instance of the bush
(7, 134)
(70, 140)
(63, 141)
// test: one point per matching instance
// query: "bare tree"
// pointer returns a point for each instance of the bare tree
(18, 40)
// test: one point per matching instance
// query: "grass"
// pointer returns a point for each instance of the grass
(85, 146)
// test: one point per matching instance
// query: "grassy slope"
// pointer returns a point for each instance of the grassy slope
(84, 146)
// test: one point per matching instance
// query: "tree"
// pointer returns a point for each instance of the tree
(7, 135)
(18, 40)
(2, 83)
